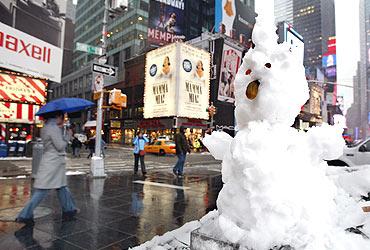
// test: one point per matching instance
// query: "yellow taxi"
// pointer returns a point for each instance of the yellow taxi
(161, 147)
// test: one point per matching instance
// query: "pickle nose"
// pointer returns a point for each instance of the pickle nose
(252, 89)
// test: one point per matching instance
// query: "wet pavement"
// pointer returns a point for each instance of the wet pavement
(116, 213)
(118, 160)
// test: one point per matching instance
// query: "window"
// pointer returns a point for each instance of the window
(116, 59)
(158, 143)
(144, 6)
(128, 53)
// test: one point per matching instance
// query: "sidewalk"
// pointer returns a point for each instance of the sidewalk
(116, 213)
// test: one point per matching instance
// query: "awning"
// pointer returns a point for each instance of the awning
(18, 112)
(90, 124)
(22, 89)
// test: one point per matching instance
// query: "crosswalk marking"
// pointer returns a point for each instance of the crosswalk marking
(161, 185)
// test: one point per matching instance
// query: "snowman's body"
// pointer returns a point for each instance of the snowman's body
(275, 189)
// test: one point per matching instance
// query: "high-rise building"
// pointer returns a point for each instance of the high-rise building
(284, 11)
(358, 114)
(315, 21)
(126, 34)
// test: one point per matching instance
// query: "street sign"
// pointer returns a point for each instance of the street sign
(89, 49)
(104, 69)
(98, 83)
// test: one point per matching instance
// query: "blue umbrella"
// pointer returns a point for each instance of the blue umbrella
(65, 105)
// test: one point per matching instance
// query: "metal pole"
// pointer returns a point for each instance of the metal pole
(100, 101)
(97, 163)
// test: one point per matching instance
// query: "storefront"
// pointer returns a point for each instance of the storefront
(18, 126)
(115, 132)
(163, 128)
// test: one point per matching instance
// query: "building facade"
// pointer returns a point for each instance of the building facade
(284, 11)
(315, 21)
(358, 117)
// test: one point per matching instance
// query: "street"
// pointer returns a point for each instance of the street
(117, 212)
(118, 159)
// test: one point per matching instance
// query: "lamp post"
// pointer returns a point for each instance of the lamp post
(97, 162)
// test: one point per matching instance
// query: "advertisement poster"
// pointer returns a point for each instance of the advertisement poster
(329, 61)
(234, 18)
(160, 82)
(194, 80)
(231, 60)
(27, 54)
(177, 79)
(22, 89)
(166, 22)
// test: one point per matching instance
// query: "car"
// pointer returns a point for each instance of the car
(163, 138)
(161, 147)
(355, 154)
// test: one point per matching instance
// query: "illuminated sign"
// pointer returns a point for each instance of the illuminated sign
(22, 89)
(18, 112)
(329, 61)
(27, 54)
(177, 82)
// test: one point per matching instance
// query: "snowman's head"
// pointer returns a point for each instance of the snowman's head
(270, 84)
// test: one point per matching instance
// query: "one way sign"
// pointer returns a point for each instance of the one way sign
(105, 69)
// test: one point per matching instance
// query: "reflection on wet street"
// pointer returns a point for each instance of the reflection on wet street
(116, 213)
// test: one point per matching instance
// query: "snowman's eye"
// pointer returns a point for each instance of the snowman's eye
(268, 65)
(248, 72)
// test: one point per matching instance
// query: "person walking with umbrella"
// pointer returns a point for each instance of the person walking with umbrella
(51, 173)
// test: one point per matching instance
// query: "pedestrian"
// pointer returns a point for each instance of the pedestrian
(139, 152)
(182, 147)
(103, 147)
(76, 147)
(51, 173)
(91, 146)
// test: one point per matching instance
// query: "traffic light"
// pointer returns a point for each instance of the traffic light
(117, 99)
(212, 110)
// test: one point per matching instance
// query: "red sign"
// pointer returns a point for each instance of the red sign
(20, 46)
(18, 112)
(22, 89)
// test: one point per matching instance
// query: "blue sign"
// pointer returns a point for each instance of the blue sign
(329, 61)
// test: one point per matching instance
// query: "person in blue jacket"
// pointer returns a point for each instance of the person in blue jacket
(139, 153)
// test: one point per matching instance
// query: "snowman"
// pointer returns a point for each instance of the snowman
(276, 192)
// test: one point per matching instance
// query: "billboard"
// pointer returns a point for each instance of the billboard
(166, 22)
(331, 71)
(177, 82)
(234, 18)
(27, 54)
(193, 82)
(22, 89)
(329, 61)
(231, 60)
(160, 82)
(18, 112)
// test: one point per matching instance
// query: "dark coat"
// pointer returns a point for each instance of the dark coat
(182, 145)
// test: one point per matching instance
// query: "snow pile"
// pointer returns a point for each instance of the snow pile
(276, 191)
(176, 239)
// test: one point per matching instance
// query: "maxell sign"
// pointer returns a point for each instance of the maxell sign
(24, 53)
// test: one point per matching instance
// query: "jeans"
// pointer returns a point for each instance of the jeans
(179, 167)
(76, 151)
(64, 196)
(142, 164)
